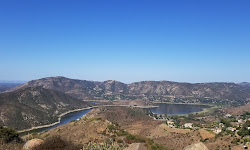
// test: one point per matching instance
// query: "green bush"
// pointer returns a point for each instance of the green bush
(235, 141)
(135, 138)
(130, 137)
(244, 131)
(154, 146)
(226, 122)
(9, 135)
(139, 139)
(122, 133)
(157, 147)
(95, 119)
(111, 127)
(119, 141)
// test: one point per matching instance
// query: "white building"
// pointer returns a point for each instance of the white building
(221, 125)
(228, 115)
(241, 121)
(170, 123)
(231, 129)
(188, 125)
(217, 130)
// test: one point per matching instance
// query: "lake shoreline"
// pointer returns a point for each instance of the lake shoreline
(151, 106)
(204, 110)
(186, 103)
(70, 111)
(55, 123)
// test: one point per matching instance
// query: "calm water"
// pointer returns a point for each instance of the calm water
(177, 109)
(64, 119)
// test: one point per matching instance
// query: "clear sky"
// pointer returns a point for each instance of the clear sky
(126, 40)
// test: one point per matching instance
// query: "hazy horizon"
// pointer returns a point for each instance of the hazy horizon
(22, 81)
(128, 41)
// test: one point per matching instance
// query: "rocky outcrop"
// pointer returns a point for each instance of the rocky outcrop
(32, 144)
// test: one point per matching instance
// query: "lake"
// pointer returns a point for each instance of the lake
(64, 119)
(177, 109)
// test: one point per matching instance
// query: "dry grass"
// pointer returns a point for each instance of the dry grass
(238, 110)
(136, 122)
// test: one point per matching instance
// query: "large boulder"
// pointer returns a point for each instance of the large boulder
(31, 144)
(197, 146)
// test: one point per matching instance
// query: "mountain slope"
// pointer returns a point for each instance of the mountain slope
(34, 106)
(153, 90)
(77, 88)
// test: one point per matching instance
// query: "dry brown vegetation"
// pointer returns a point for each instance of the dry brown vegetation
(11, 146)
(104, 123)
(135, 121)
(82, 131)
(238, 110)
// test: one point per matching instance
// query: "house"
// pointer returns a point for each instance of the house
(170, 123)
(228, 115)
(200, 118)
(188, 125)
(221, 125)
(217, 130)
(231, 129)
(241, 121)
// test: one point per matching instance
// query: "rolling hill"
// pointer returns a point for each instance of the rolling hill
(34, 106)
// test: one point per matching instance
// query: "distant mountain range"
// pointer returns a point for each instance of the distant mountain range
(6, 86)
(34, 106)
(245, 84)
(152, 90)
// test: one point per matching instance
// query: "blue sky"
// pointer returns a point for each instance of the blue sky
(126, 40)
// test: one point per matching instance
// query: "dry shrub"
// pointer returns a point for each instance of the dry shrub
(57, 143)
